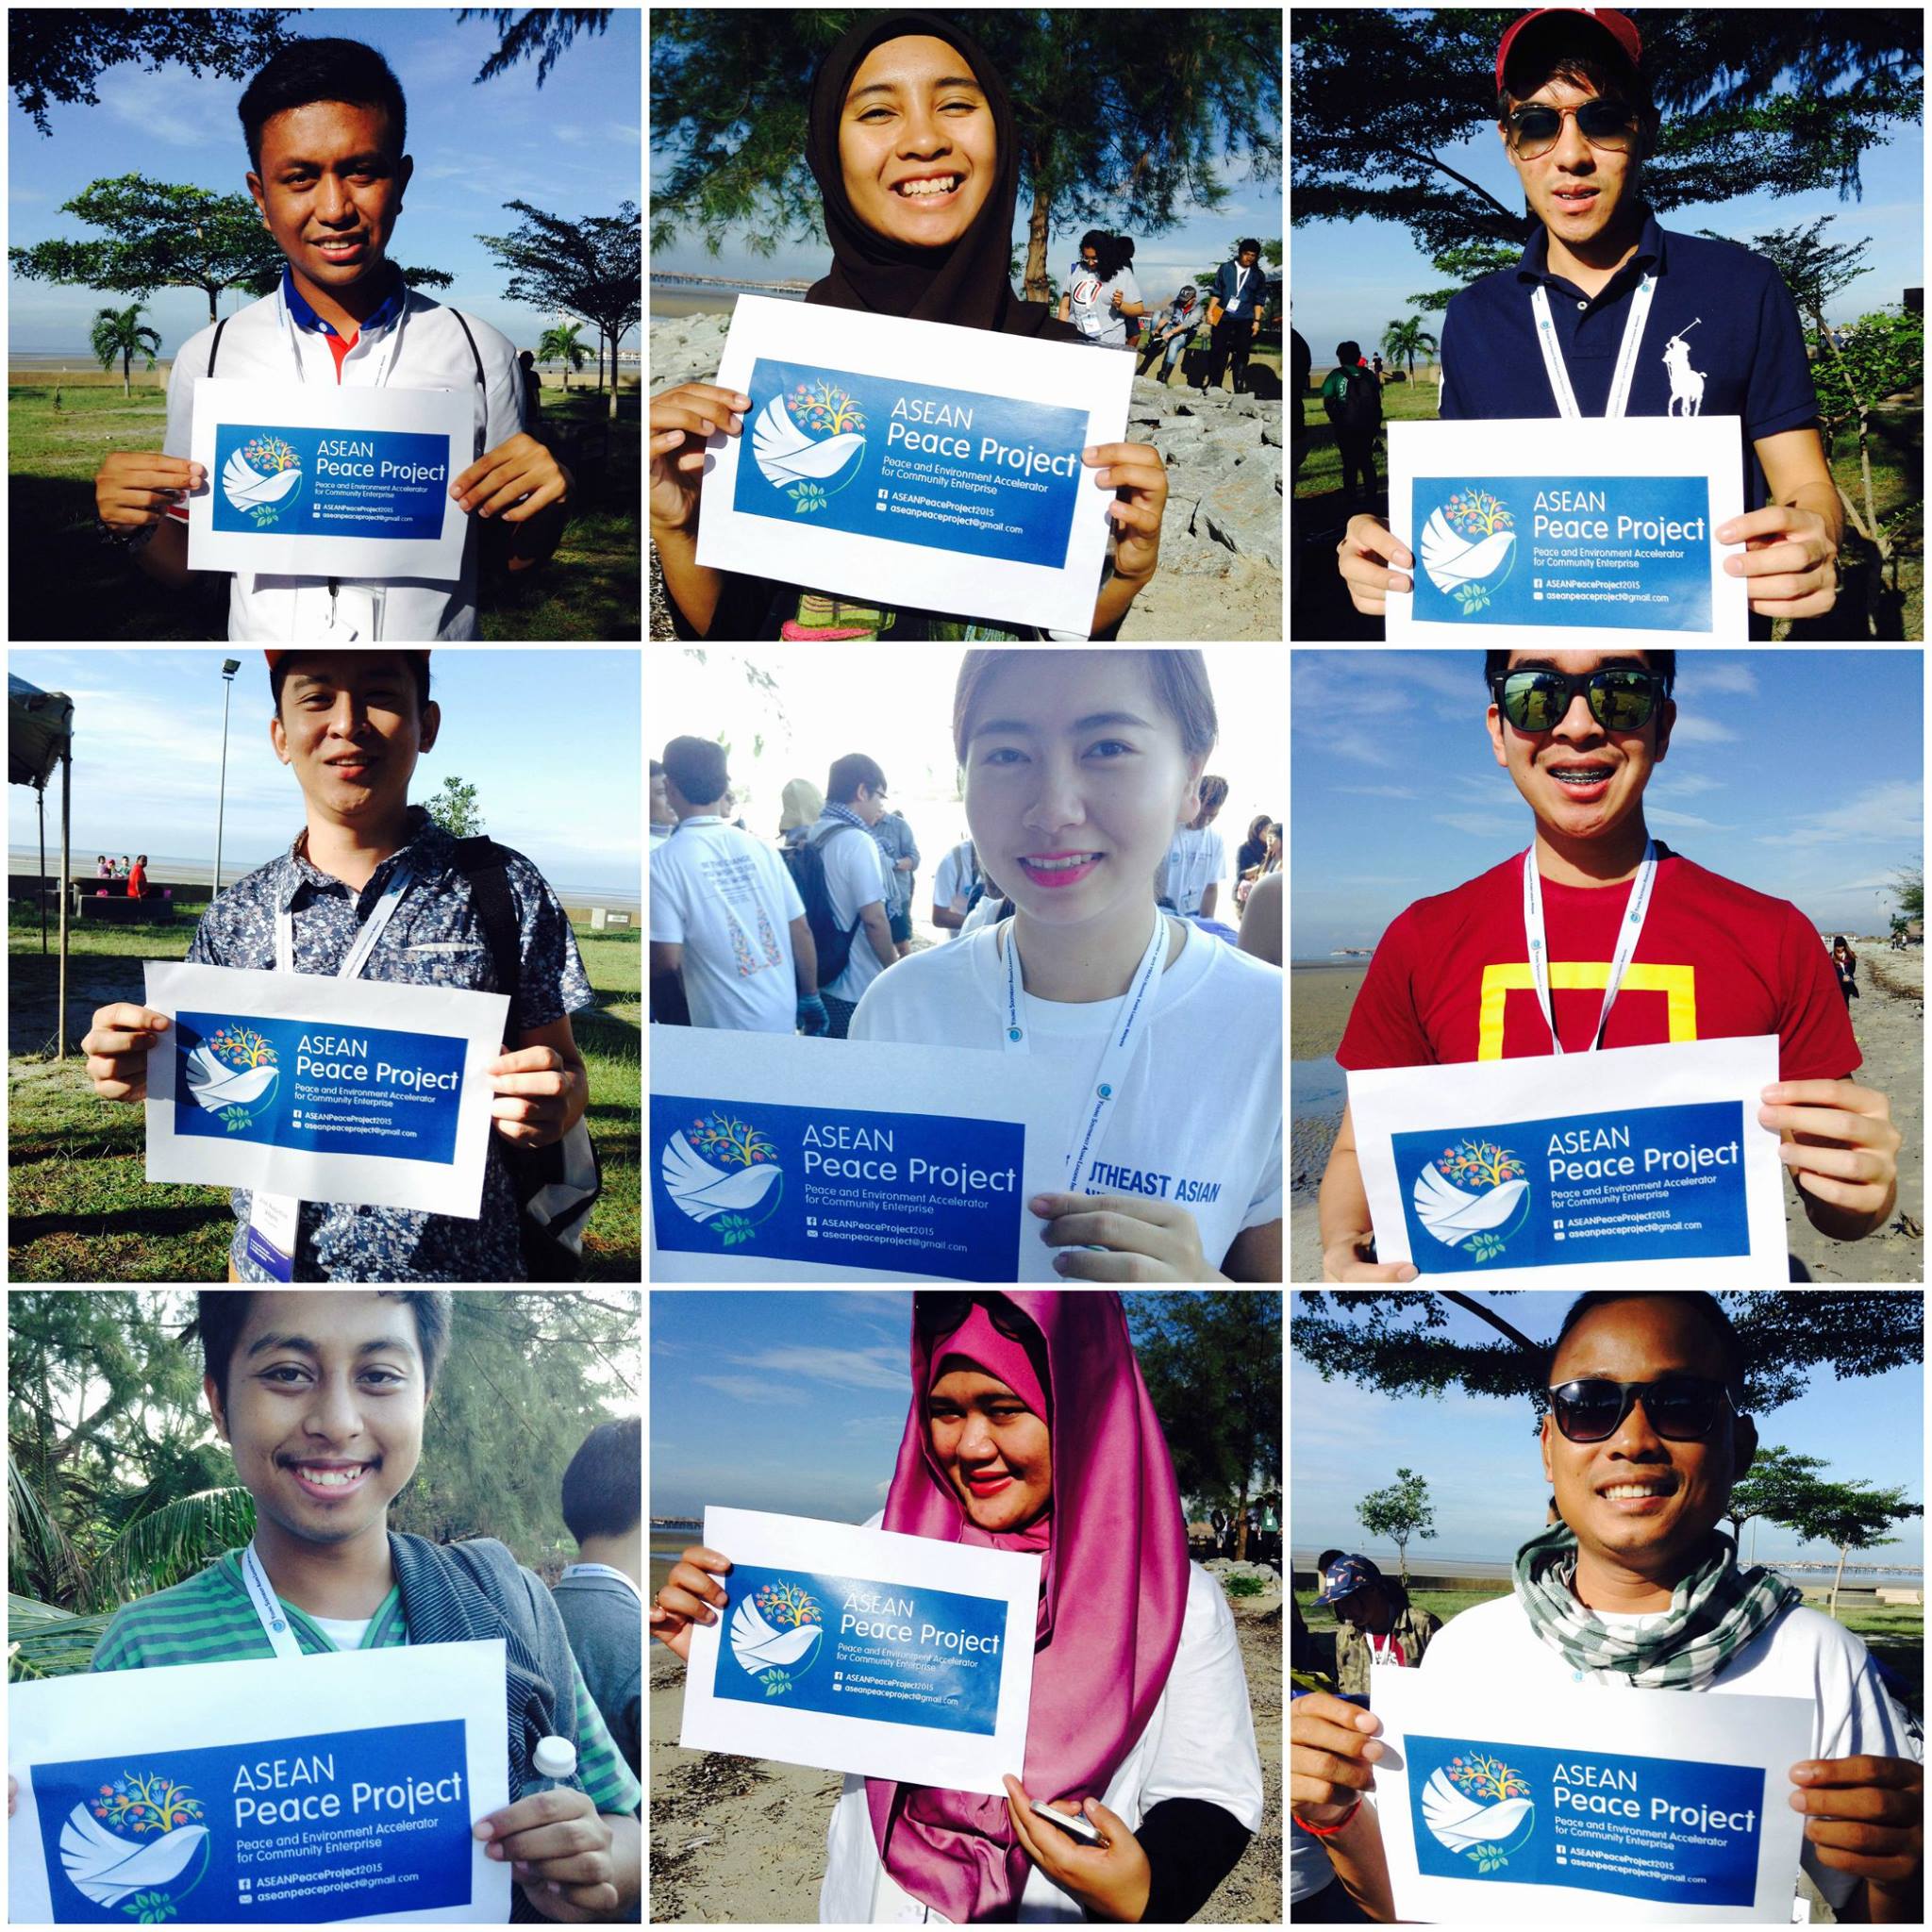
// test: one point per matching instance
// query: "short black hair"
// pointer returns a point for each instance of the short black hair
(848, 773)
(1349, 352)
(656, 769)
(1705, 1306)
(604, 1486)
(1246, 243)
(306, 71)
(278, 676)
(1663, 663)
(222, 1313)
(697, 767)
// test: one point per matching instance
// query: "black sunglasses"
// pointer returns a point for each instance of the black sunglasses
(941, 1312)
(1681, 1408)
(1538, 698)
(1534, 131)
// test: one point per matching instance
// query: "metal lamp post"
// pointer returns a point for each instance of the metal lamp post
(229, 667)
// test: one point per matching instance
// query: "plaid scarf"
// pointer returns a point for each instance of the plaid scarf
(845, 812)
(1714, 1612)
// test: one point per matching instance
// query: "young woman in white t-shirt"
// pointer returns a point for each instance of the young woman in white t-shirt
(1077, 767)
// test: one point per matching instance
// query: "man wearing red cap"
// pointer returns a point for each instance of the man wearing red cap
(1609, 314)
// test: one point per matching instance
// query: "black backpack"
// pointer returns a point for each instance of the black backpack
(1361, 405)
(807, 863)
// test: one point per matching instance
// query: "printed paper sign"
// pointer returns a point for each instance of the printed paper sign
(311, 481)
(1492, 1167)
(865, 1651)
(226, 1794)
(1617, 545)
(1674, 1809)
(860, 474)
(774, 1157)
(325, 1089)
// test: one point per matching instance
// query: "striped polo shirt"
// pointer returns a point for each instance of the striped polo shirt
(209, 1620)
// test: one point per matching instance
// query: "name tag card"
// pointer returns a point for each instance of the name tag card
(231, 1795)
(325, 1089)
(1674, 1811)
(777, 1159)
(865, 1651)
(1494, 1167)
(1599, 529)
(310, 481)
(914, 464)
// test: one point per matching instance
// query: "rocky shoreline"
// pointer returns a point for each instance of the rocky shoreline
(1220, 543)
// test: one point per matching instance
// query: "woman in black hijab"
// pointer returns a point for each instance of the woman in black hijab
(902, 98)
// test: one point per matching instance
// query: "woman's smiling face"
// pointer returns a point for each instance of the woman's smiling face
(914, 113)
(992, 1448)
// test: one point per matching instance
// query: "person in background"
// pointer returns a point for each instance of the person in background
(137, 879)
(103, 866)
(663, 820)
(1380, 1628)
(804, 805)
(1378, 366)
(1845, 964)
(121, 866)
(900, 851)
(1172, 332)
(533, 387)
(1197, 857)
(1101, 292)
(600, 1596)
(1233, 307)
(1254, 848)
(725, 916)
(955, 887)
(1353, 401)
(854, 883)
(1261, 918)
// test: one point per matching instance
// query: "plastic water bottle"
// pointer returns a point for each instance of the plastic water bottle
(555, 1762)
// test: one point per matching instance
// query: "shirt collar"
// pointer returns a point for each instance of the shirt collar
(426, 849)
(303, 316)
(1534, 265)
(593, 1570)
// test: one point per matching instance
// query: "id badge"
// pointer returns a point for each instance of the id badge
(271, 1237)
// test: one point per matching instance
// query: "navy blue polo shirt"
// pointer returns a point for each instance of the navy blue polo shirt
(1746, 357)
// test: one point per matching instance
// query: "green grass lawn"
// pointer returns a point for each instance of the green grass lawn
(79, 1206)
(85, 586)
(1897, 459)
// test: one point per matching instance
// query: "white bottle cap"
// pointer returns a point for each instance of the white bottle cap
(555, 1757)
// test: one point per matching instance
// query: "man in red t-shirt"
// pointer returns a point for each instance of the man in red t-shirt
(1451, 980)
(137, 879)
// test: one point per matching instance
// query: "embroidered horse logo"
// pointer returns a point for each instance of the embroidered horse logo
(1687, 384)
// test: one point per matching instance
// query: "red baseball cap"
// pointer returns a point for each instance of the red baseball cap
(1619, 27)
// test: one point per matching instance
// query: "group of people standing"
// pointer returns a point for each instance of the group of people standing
(135, 874)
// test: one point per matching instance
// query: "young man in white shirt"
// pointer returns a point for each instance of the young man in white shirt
(855, 884)
(325, 126)
(725, 912)
(1638, 1592)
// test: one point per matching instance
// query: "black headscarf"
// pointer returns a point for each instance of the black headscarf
(965, 283)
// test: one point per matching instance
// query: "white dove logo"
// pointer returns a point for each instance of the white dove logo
(1452, 1215)
(1453, 559)
(1463, 1823)
(760, 1646)
(1476, 1192)
(216, 1086)
(787, 456)
(110, 1870)
(703, 1190)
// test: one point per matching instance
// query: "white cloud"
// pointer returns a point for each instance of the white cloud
(1480, 825)
(1894, 809)
(171, 105)
(1377, 791)
(1701, 675)
(1695, 729)
(749, 1388)
(1680, 821)
(862, 1368)
(1685, 784)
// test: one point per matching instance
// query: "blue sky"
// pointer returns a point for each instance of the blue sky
(550, 739)
(571, 149)
(1353, 278)
(1485, 1468)
(1798, 773)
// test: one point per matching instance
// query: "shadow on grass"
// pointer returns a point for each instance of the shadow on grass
(150, 1222)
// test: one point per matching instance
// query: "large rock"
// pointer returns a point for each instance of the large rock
(1242, 509)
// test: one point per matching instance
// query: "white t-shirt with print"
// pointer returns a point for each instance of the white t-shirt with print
(1200, 1122)
(1804, 1654)
(855, 877)
(728, 899)
(1195, 860)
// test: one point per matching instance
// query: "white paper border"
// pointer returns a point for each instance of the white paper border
(1399, 1100)
(374, 1180)
(1066, 376)
(386, 410)
(911, 1752)
(1768, 1733)
(1708, 446)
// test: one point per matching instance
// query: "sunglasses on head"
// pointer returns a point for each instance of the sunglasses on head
(942, 1313)
(1534, 131)
(1681, 1408)
(1538, 698)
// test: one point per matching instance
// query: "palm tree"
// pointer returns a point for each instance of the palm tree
(563, 343)
(116, 334)
(1403, 341)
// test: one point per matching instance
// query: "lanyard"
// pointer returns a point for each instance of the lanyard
(1116, 1057)
(1629, 930)
(600, 1570)
(273, 1623)
(365, 940)
(1626, 354)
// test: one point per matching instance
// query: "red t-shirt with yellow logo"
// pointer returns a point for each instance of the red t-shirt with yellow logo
(1451, 980)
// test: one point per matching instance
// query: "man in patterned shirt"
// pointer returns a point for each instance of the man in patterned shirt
(305, 1387)
(350, 724)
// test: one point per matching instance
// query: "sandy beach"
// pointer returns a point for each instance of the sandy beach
(741, 1841)
(1886, 1020)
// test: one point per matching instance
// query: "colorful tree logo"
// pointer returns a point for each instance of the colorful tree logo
(268, 455)
(1489, 1781)
(1480, 1164)
(1455, 1196)
(1478, 514)
(146, 1877)
(825, 408)
(241, 1047)
(1469, 545)
(724, 1171)
(788, 1605)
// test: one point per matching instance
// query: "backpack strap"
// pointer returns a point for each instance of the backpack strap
(475, 357)
(215, 347)
(485, 864)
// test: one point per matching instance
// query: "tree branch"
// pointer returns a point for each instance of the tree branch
(1490, 1315)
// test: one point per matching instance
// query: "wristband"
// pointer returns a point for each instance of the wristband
(1329, 1831)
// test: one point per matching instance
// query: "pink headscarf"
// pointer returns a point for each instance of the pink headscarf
(1113, 1591)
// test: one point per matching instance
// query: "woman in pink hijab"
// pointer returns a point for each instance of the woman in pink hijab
(1031, 1429)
